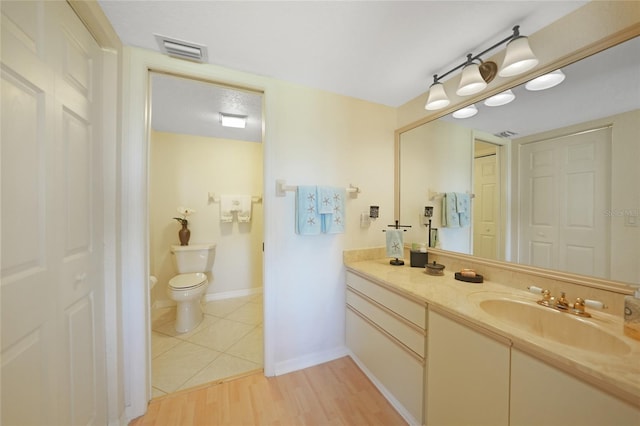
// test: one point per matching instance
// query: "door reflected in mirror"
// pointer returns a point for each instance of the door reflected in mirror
(554, 172)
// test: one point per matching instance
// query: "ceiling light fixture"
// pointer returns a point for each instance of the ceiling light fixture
(233, 120)
(502, 98)
(476, 73)
(466, 112)
(546, 81)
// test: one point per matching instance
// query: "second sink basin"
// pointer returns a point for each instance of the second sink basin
(554, 325)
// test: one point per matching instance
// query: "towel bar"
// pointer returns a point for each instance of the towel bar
(216, 199)
(282, 188)
(436, 195)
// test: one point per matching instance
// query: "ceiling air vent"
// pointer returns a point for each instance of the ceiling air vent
(505, 134)
(182, 49)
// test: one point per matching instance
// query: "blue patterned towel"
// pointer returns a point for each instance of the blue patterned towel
(325, 199)
(463, 208)
(395, 243)
(308, 220)
(333, 223)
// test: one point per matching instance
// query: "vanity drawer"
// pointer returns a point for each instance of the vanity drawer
(407, 334)
(412, 311)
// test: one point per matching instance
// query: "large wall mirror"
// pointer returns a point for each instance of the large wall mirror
(553, 176)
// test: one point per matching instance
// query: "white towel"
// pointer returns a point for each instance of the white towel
(241, 204)
(244, 210)
(226, 208)
(244, 216)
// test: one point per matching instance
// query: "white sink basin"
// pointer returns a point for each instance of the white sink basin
(558, 326)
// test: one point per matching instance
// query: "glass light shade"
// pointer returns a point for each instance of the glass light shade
(546, 81)
(471, 81)
(466, 112)
(518, 58)
(437, 98)
(500, 99)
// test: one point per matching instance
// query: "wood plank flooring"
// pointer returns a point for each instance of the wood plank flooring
(334, 393)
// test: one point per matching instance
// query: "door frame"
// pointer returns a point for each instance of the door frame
(503, 153)
(134, 256)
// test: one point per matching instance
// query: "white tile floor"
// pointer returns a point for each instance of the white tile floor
(228, 342)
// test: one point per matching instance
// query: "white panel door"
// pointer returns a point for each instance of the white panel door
(52, 287)
(486, 206)
(563, 195)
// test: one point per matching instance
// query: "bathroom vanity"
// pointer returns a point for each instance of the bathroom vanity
(448, 352)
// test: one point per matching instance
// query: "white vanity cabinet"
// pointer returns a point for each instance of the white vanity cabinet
(385, 331)
(544, 395)
(467, 377)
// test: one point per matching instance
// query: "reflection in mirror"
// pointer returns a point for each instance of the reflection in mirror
(553, 174)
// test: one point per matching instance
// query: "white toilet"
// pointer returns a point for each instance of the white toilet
(193, 263)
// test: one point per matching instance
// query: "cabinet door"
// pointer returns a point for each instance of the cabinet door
(544, 395)
(392, 366)
(467, 375)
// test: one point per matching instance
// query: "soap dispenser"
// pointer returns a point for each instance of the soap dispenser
(632, 315)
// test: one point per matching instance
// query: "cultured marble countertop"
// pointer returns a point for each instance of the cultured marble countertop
(618, 374)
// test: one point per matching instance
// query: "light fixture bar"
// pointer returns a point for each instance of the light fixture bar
(475, 77)
(470, 58)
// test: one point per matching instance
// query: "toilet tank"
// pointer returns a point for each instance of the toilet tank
(194, 258)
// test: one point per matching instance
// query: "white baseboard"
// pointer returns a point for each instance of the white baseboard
(310, 360)
(385, 392)
(209, 297)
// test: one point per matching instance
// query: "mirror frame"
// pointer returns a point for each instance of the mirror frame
(604, 43)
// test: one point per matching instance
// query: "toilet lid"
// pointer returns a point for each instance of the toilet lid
(184, 281)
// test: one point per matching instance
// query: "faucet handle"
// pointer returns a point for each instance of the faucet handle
(578, 306)
(595, 304)
(546, 300)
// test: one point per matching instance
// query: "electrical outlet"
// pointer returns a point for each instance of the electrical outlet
(631, 220)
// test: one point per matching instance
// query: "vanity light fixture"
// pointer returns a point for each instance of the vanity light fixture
(471, 81)
(502, 98)
(466, 112)
(438, 98)
(519, 57)
(476, 73)
(546, 81)
(233, 120)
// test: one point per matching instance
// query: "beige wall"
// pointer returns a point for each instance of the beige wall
(436, 157)
(183, 169)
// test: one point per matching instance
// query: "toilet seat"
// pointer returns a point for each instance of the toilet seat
(187, 281)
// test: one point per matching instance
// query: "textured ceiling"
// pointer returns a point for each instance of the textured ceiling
(191, 107)
(379, 51)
